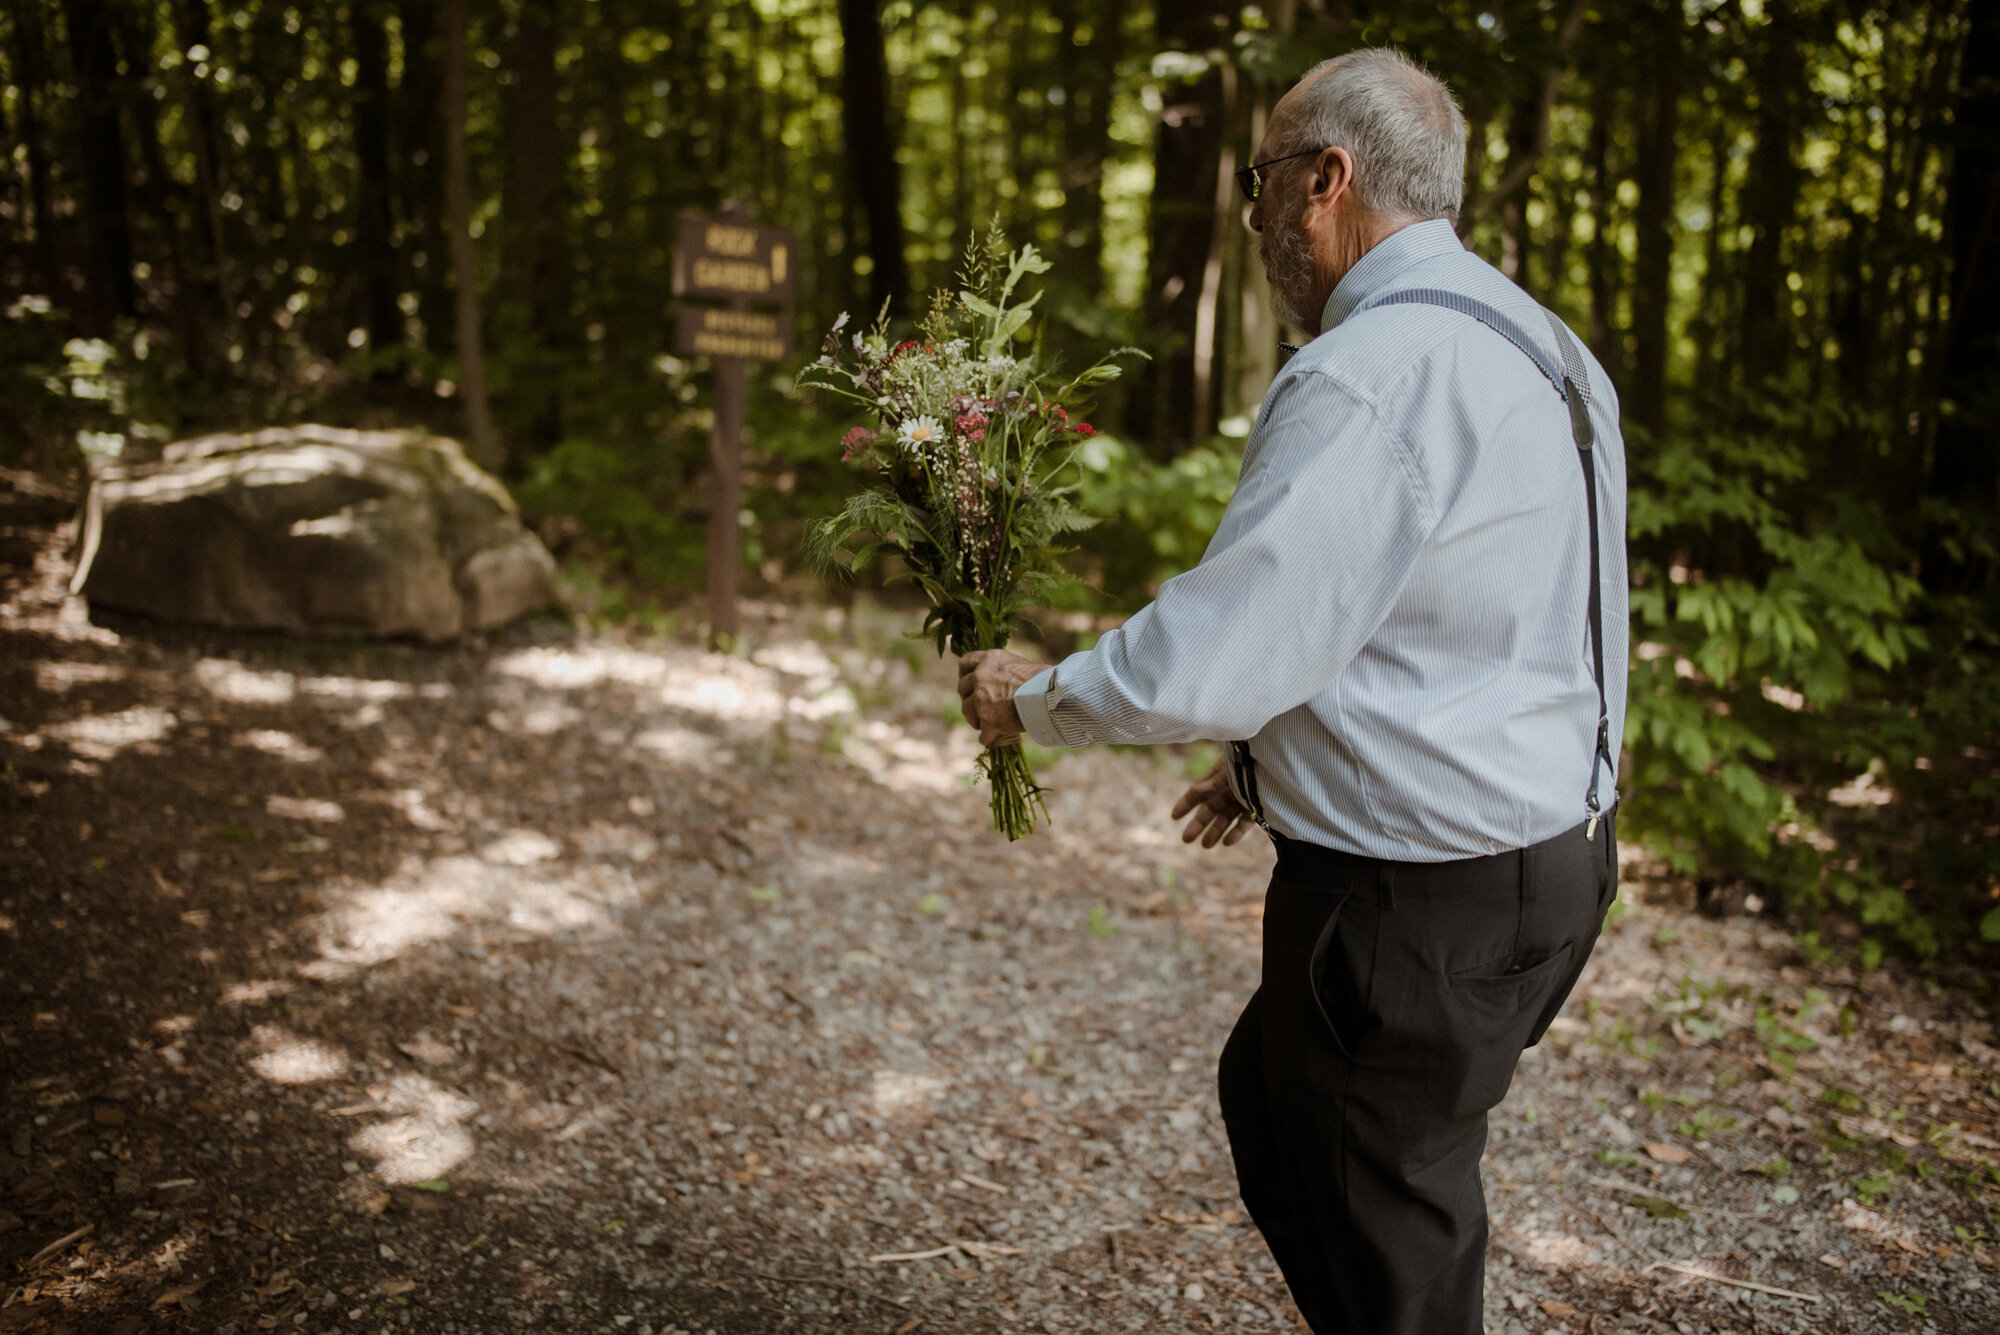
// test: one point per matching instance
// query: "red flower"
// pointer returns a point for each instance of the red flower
(1084, 429)
(852, 442)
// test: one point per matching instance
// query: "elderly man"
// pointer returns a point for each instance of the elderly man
(1401, 629)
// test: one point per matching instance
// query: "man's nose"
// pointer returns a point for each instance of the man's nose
(1255, 218)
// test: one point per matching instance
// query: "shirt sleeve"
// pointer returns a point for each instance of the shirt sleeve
(1327, 520)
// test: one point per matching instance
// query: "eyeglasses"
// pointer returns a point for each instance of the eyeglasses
(1251, 178)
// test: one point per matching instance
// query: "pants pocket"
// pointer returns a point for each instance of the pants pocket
(1335, 980)
(1494, 1011)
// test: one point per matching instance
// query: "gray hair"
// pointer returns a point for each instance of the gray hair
(1399, 122)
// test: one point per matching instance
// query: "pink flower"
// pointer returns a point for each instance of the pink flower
(852, 443)
(972, 426)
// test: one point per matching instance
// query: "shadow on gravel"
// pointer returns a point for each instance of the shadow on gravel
(331, 973)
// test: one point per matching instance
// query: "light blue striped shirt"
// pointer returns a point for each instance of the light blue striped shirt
(1393, 609)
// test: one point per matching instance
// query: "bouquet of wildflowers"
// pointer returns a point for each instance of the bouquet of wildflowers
(968, 448)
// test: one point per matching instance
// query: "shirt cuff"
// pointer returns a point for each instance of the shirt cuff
(1032, 701)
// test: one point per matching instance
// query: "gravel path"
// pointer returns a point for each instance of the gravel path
(576, 984)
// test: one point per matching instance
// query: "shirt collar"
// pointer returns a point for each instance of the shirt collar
(1392, 255)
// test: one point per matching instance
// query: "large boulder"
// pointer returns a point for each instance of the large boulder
(314, 530)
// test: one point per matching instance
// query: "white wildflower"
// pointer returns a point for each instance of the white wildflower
(840, 323)
(919, 435)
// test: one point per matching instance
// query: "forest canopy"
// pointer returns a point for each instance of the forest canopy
(1778, 224)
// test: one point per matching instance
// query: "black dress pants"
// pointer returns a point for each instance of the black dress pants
(1395, 1002)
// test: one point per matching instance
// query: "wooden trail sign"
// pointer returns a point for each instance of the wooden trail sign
(763, 335)
(728, 258)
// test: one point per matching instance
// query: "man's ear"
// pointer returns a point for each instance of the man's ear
(1331, 184)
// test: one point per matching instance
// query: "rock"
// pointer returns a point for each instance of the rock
(314, 530)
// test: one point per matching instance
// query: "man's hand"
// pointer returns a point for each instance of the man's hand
(1218, 816)
(987, 680)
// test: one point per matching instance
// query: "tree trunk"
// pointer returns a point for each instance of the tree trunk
(1653, 218)
(871, 149)
(1712, 310)
(1599, 253)
(1526, 122)
(538, 258)
(31, 51)
(483, 441)
(163, 201)
(374, 235)
(1965, 472)
(420, 155)
(1258, 327)
(1187, 150)
(106, 210)
(1091, 48)
(194, 30)
(1211, 337)
(1770, 198)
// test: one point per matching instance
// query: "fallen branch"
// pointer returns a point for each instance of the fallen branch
(930, 1255)
(1680, 1269)
(585, 1054)
(60, 1244)
(831, 1284)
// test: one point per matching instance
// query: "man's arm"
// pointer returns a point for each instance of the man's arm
(1317, 542)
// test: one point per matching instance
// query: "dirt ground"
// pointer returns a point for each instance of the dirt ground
(575, 983)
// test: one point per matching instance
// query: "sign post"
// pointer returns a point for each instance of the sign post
(728, 258)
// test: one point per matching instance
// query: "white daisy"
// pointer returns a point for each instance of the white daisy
(919, 434)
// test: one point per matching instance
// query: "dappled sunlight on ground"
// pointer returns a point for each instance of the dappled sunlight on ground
(586, 983)
(461, 899)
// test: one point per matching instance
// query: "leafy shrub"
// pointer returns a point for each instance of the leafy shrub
(1156, 518)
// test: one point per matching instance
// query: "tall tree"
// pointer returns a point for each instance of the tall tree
(484, 440)
(1965, 473)
(877, 177)
(194, 27)
(537, 256)
(1188, 145)
(1093, 38)
(1600, 255)
(1770, 197)
(1653, 217)
(106, 208)
(419, 158)
(31, 55)
(374, 231)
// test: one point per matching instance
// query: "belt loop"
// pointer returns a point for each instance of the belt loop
(1385, 887)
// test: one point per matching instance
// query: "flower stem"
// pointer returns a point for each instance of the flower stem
(1016, 798)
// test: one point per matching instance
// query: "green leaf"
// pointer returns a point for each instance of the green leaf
(235, 831)
(1659, 1207)
(1989, 926)
(764, 894)
(437, 1185)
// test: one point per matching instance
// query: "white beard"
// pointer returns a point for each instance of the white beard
(1288, 267)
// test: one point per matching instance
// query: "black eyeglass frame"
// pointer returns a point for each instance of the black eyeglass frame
(1251, 178)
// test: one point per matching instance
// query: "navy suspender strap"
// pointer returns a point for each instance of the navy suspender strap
(1572, 383)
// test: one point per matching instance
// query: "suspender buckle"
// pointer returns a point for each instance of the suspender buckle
(1244, 766)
